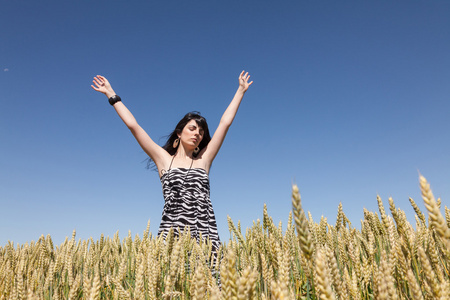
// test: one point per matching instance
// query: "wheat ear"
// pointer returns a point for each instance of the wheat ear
(301, 224)
(437, 220)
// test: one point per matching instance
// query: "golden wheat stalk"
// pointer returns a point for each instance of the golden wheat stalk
(382, 260)
(301, 224)
(323, 277)
(437, 220)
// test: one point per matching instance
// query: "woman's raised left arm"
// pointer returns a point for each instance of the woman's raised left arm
(214, 145)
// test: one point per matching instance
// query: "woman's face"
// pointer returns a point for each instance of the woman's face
(192, 134)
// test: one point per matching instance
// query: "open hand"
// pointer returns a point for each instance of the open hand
(243, 81)
(102, 85)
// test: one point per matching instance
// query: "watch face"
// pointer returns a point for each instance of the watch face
(114, 99)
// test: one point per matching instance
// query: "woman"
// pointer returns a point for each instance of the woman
(183, 163)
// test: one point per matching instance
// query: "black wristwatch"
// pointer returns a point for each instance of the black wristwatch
(114, 99)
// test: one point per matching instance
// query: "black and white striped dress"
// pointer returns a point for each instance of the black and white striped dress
(187, 203)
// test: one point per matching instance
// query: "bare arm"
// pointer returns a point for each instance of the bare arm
(227, 119)
(156, 153)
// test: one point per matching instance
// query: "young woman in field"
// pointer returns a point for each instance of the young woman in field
(183, 163)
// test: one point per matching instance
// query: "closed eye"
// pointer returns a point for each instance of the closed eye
(192, 128)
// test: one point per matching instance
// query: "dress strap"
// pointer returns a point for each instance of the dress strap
(170, 166)
(173, 157)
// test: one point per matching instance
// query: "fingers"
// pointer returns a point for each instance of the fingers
(103, 79)
(244, 76)
(100, 79)
(98, 83)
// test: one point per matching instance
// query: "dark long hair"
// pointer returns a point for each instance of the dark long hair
(168, 146)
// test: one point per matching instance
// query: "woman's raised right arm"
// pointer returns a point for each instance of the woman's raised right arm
(156, 152)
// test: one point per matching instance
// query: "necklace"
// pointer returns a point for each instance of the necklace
(185, 176)
(190, 167)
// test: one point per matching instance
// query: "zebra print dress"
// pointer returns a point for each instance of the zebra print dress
(187, 203)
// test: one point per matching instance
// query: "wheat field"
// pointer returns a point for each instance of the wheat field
(388, 258)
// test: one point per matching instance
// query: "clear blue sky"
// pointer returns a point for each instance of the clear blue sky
(350, 99)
